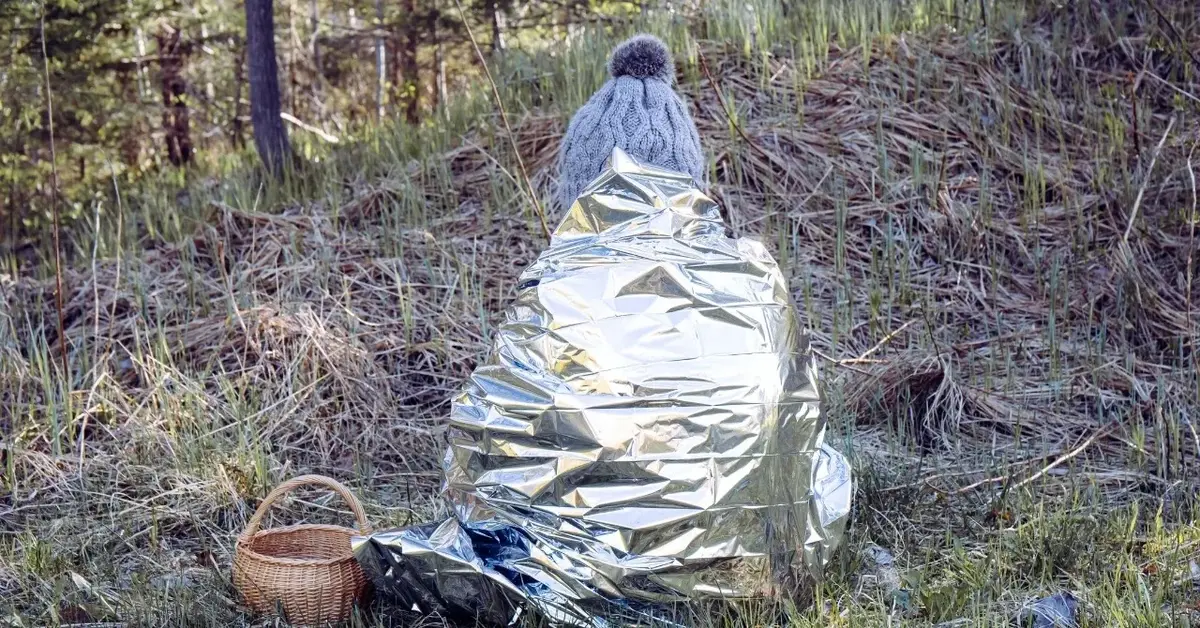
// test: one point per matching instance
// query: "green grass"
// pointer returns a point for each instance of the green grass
(1015, 382)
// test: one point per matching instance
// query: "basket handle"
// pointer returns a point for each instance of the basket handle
(307, 480)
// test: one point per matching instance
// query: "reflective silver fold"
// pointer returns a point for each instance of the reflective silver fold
(646, 431)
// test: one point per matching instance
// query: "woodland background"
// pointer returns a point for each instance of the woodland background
(144, 86)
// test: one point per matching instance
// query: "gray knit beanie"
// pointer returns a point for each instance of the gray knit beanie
(637, 110)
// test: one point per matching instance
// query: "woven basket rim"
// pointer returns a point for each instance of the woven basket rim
(245, 544)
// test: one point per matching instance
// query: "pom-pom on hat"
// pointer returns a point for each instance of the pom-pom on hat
(642, 57)
(637, 110)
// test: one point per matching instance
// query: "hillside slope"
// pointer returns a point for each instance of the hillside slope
(990, 232)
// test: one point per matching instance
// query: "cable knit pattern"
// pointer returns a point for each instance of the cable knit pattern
(643, 115)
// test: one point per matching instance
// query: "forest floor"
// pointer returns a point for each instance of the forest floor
(992, 234)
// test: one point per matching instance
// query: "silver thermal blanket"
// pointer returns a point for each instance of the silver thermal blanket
(645, 432)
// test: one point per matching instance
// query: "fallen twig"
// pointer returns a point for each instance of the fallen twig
(866, 354)
(1145, 180)
(1103, 431)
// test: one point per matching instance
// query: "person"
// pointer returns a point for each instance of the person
(636, 110)
(646, 431)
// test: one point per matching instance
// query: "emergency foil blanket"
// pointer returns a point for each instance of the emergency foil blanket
(646, 431)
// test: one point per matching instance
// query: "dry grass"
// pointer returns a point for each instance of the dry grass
(1015, 378)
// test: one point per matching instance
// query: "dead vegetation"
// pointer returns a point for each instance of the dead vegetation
(993, 239)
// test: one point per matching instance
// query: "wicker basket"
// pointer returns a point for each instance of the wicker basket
(307, 571)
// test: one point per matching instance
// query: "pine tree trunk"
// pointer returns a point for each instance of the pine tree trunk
(176, 130)
(239, 78)
(412, 81)
(210, 90)
(495, 14)
(143, 81)
(293, 42)
(395, 85)
(380, 61)
(314, 49)
(269, 135)
(130, 145)
(439, 59)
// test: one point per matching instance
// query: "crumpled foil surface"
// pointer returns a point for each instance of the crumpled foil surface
(646, 431)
